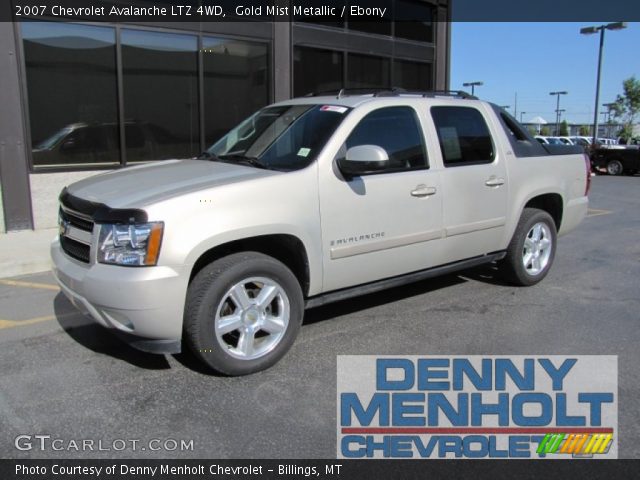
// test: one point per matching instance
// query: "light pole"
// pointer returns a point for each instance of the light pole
(608, 120)
(558, 108)
(590, 31)
(559, 112)
(521, 114)
(472, 85)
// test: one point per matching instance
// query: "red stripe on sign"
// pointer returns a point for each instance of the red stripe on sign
(470, 430)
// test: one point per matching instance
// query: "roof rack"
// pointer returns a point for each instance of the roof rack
(394, 92)
(342, 92)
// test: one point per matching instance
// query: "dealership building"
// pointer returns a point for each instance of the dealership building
(81, 97)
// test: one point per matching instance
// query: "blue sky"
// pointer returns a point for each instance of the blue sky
(534, 59)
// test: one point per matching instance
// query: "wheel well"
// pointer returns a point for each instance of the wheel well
(550, 203)
(284, 248)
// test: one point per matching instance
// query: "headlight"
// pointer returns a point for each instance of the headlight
(130, 245)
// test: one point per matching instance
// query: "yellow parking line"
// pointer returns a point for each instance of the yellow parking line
(30, 321)
(44, 286)
(593, 212)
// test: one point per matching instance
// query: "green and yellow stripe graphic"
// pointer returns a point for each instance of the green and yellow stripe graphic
(575, 443)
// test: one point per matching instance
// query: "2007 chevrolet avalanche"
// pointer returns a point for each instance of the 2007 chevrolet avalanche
(309, 201)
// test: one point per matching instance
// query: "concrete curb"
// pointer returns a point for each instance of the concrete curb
(25, 252)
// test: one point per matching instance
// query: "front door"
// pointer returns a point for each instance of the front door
(381, 225)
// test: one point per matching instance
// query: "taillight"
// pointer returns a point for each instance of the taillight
(587, 163)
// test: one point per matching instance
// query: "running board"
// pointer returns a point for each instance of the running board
(379, 285)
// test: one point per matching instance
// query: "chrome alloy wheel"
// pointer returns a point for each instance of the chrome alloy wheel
(537, 248)
(252, 318)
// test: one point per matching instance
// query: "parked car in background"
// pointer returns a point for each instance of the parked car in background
(566, 140)
(99, 144)
(616, 159)
(541, 139)
(582, 141)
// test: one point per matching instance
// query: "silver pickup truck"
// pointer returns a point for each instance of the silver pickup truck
(310, 201)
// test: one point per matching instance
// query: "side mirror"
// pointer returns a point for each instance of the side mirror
(363, 160)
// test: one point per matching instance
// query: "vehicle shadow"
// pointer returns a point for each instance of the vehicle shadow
(486, 274)
(187, 359)
(345, 307)
(99, 340)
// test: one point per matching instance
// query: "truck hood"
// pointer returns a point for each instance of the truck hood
(142, 185)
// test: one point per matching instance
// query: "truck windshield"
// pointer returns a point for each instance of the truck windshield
(285, 138)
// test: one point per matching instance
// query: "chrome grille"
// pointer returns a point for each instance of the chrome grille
(75, 234)
(83, 222)
(76, 250)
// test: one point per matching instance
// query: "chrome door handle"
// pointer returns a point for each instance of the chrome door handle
(494, 182)
(423, 191)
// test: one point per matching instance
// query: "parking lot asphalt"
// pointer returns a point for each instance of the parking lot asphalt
(65, 377)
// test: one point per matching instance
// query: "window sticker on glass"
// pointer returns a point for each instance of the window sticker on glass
(333, 108)
(304, 152)
(450, 143)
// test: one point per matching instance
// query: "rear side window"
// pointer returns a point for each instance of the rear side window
(396, 129)
(464, 136)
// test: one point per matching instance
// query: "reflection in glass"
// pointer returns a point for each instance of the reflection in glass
(395, 129)
(316, 70)
(71, 82)
(414, 20)
(365, 71)
(160, 74)
(411, 75)
(236, 83)
(285, 138)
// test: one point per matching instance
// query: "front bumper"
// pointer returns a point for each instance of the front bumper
(143, 305)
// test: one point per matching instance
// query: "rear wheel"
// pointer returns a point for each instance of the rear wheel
(532, 249)
(243, 313)
(614, 167)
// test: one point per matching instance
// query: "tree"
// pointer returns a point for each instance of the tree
(545, 132)
(626, 132)
(564, 129)
(627, 106)
(584, 131)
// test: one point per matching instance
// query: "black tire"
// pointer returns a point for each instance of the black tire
(512, 266)
(208, 293)
(614, 167)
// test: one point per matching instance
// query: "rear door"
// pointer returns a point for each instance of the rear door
(474, 181)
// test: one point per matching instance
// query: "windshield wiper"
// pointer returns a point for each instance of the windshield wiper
(253, 161)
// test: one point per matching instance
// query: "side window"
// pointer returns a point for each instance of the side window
(396, 129)
(464, 136)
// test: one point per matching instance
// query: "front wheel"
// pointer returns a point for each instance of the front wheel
(614, 167)
(532, 249)
(243, 313)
